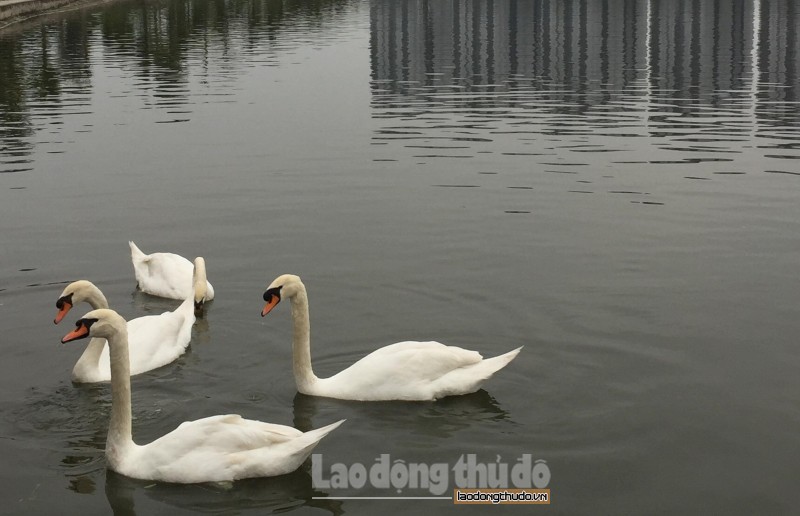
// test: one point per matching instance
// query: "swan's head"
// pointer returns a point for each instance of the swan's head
(199, 283)
(287, 285)
(97, 323)
(76, 292)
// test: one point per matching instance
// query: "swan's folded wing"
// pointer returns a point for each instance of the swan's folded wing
(404, 370)
(164, 274)
(227, 433)
(215, 448)
(426, 359)
(157, 340)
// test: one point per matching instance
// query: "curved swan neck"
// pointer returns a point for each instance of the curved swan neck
(301, 343)
(90, 359)
(84, 290)
(119, 429)
(96, 299)
(199, 279)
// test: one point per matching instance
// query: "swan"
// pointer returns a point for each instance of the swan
(213, 449)
(164, 274)
(402, 371)
(156, 340)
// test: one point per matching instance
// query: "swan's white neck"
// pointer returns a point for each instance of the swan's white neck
(199, 280)
(89, 362)
(301, 343)
(120, 438)
(90, 359)
(92, 295)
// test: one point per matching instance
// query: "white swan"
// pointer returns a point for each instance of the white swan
(164, 274)
(212, 449)
(156, 340)
(402, 371)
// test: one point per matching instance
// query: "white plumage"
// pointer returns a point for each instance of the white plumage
(165, 274)
(213, 449)
(156, 340)
(402, 371)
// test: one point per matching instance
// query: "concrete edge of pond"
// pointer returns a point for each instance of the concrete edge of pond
(14, 13)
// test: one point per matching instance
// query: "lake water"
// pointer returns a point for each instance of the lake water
(613, 185)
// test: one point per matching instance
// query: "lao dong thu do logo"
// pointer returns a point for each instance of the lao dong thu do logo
(468, 473)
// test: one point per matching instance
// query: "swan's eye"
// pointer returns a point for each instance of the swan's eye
(85, 322)
(62, 300)
(272, 292)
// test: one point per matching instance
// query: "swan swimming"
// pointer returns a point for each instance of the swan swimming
(213, 449)
(165, 274)
(402, 371)
(156, 340)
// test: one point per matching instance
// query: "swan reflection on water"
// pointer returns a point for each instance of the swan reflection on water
(272, 494)
(442, 418)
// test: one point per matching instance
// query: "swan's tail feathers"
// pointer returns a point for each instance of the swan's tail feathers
(139, 261)
(310, 439)
(465, 380)
(489, 366)
(136, 254)
(319, 433)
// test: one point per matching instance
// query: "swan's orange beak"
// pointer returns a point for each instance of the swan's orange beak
(272, 303)
(62, 312)
(272, 296)
(81, 331)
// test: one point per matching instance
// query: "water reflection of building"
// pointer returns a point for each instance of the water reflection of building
(46, 65)
(690, 46)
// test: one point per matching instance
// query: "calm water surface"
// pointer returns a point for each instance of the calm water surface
(614, 185)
